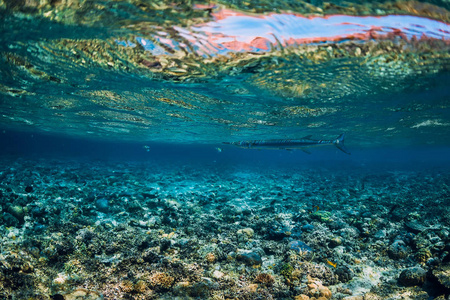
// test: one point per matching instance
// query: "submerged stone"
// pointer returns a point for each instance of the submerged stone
(278, 233)
(398, 250)
(442, 274)
(249, 258)
(412, 276)
(299, 246)
(17, 211)
(323, 216)
(102, 205)
(308, 228)
(9, 220)
(80, 293)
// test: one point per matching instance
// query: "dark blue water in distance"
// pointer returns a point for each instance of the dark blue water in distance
(37, 145)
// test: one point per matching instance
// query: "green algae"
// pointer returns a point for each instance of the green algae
(323, 216)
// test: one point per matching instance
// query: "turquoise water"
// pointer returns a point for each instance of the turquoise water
(120, 175)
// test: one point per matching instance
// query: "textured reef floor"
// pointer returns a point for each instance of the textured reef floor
(103, 230)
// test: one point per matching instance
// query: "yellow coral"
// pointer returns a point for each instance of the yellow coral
(126, 286)
(140, 286)
(210, 257)
(163, 280)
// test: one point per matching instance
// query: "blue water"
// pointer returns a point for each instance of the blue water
(119, 127)
(38, 145)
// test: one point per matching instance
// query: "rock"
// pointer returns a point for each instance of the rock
(308, 228)
(299, 246)
(199, 289)
(249, 258)
(336, 241)
(80, 293)
(344, 273)
(442, 274)
(102, 205)
(278, 232)
(9, 220)
(412, 276)
(217, 274)
(246, 231)
(17, 211)
(357, 297)
(414, 227)
(398, 250)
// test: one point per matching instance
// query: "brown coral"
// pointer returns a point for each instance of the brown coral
(210, 257)
(161, 280)
(265, 278)
(316, 290)
(126, 286)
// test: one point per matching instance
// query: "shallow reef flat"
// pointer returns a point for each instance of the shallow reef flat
(142, 230)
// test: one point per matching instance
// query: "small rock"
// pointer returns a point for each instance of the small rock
(102, 205)
(299, 246)
(412, 276)
(414, 227)
(82, 293)
(398, 250)
(217, 274)
(17, 211)
(278, 232)
(344, 273)
(442, 274)
(247, 231)
(9, 220)
(249, 258)
(308, 228)
(356, 297)
(336, 241)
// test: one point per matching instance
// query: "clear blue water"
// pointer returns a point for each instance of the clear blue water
(116, 113)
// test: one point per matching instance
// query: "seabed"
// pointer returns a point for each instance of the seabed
(139, 230)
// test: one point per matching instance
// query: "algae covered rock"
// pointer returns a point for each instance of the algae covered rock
(412, 276)
(17, 211)
(250, 258)
(398, 250)
(442, 274)
(80, 294)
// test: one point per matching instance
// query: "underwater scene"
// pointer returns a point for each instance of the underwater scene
(226, 150)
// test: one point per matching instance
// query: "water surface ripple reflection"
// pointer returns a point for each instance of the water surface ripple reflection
(237, 32)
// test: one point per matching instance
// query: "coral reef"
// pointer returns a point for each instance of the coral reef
(84, 230)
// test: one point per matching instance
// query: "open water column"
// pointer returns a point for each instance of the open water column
(187, 149)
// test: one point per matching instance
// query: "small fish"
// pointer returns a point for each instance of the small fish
(147, 148)
(303, 143)
(332, 264)
(314, 209)
(219, 149)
